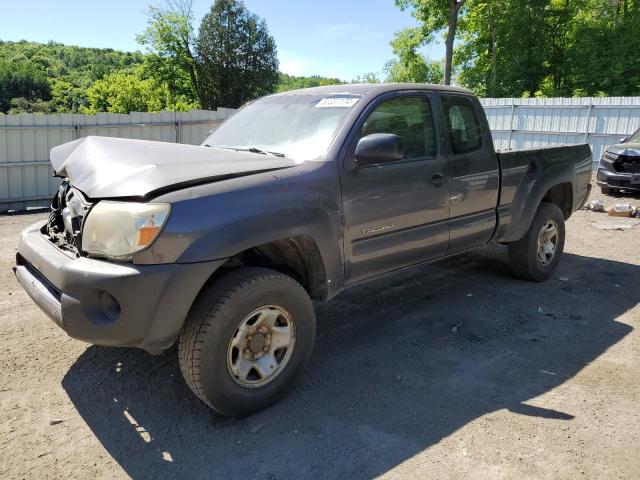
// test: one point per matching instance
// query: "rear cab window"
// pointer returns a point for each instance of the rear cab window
(461, 122)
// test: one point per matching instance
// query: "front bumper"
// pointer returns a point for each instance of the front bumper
(626, 181)
(107, 303)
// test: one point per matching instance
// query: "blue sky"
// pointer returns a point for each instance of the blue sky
(330, 37)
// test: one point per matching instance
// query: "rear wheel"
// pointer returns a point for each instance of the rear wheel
(248, 338)
(536, 255)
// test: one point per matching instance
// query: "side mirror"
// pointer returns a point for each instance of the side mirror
(379, 148)
(623, 139)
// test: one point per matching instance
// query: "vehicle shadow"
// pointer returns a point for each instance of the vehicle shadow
(399, 364)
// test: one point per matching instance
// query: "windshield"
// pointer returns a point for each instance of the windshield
(635, 138)
(300, 127)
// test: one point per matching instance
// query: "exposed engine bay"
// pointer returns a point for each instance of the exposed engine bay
(69, 208)
(627, 163)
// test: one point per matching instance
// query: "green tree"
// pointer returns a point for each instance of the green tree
(180, 91)
(603, 55)
(237, 56)
(410, 65)
(24, 105)
(550, 47)
(124, 92)
(170, 39)
(21, 80)
(65, 72)
(66, 96)
(506, 46)
(291, 82)
(369, 77)
(436, 16)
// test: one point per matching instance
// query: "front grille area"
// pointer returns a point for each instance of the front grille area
(625, 164)
(69, 207)
(629, 167)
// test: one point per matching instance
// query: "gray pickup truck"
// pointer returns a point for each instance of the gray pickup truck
(222, 247)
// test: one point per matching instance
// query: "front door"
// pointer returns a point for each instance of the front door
(395, 214)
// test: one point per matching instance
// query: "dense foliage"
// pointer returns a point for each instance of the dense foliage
(54, 77)
(529, 47)
(231, 60)
(410, 65)
(21, 82)
(292, 82)
(238, 58)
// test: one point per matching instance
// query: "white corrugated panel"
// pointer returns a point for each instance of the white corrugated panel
(26, 178)
(518, 123)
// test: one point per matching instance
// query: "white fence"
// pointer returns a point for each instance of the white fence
(519, 123)
(26, 177)
(516, 123)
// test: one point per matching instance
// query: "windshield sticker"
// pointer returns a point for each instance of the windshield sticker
(337, 102)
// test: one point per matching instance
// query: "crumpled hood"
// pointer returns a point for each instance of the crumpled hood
(625, 149)
(105, 167)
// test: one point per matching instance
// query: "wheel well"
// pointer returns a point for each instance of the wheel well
(562, 196)
(298, 257)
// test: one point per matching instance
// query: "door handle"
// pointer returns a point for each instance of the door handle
(437, 179)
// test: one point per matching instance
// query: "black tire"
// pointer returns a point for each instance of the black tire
(606, 190)
(213, 321)
(523, 254)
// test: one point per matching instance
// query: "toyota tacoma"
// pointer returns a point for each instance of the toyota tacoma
(222, 247)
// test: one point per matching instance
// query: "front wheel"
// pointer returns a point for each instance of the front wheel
(535, 256)
(248, 337)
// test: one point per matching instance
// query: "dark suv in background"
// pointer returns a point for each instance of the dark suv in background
(619, 167)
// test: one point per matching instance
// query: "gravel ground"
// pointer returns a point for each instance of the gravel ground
(454, 370)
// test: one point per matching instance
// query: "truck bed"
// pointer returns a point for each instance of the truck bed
(527, 175)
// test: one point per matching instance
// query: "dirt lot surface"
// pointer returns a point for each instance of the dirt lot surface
(454, 370)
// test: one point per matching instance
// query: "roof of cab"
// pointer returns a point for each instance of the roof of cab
(374, 88)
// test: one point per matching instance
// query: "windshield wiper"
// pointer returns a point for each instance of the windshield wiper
(249, 149)
(257, 150)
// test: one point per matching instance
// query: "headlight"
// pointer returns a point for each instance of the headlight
(119, 229)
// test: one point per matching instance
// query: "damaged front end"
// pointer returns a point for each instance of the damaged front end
(69, 209)
(627, 161)
(619, 168)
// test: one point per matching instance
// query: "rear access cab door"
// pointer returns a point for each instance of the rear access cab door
(396, 213)
(474, 170)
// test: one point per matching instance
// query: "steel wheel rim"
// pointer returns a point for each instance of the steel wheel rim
(547, 242)
(261, 346)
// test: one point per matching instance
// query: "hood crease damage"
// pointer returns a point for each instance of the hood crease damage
(117, 168)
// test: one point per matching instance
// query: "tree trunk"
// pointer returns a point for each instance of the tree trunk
(454, 9)
(451, 36)
(494, 55)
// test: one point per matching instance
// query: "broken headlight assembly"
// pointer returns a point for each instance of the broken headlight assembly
(117, 230)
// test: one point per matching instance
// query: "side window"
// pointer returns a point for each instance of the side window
(409, 118)
(462, 124)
